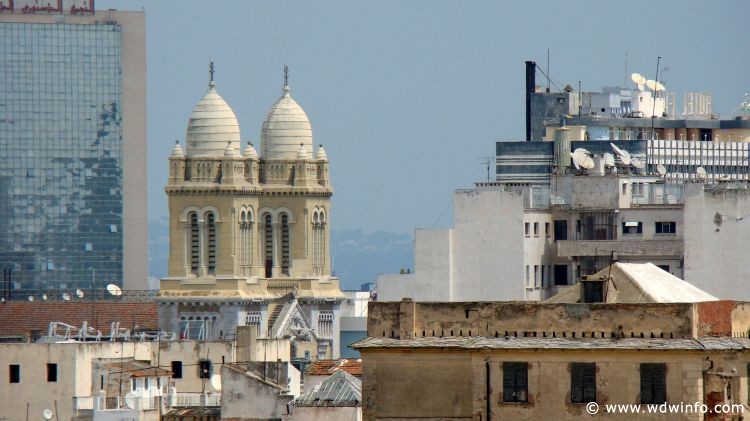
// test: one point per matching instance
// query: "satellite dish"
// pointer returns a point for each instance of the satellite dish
(582, 157)
(79, 293)
(651, 84)
(31, 298)
(216, 382)
(623, 154)
(130, 398)
(637, 163)
(641, 87)
(609, 159)
(47, 414)
(575, 163)
(44, 297)
(638, 78)
(661, 169)
(660, 87)
(114, 290)
(701, 172)
(66, 296)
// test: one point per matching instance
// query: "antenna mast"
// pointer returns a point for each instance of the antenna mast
(211, 71)
(653, 99)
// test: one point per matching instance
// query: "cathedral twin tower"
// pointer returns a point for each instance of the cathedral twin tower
(240, 215)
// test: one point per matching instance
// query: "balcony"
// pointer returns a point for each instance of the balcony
(621, 248)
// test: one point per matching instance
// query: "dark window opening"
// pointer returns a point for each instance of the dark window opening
(561, 274)
(583, 382)
(593, 291)
(663, 267)
(204, 369)
(632, 227)
(176, 369)
(515, 382)
(268, 245)
(653, 383)
(15, 373)
(561, 230)
(51, 372)
(665, 227)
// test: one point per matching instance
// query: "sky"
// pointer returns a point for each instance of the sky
(409, 98)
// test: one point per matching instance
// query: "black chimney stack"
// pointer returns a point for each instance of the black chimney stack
(530, 87)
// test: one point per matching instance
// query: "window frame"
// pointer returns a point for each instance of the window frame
(653, 376)
(14, 373)
(582, 377)
(51, 373)
(205, 368)
(671, 227)
(626, 228)
(515, 380)
(176, 369)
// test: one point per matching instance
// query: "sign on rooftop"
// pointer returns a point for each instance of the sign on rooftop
(48, 7)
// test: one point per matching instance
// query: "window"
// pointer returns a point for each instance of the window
(582, 382)
(528, 278)
(51, 372)
(325, 323)
(194, 243)
(176, 369)
(253, 318)
(663, 267)
(211, 228)
(204, 369)
(515, 382)
(561, 230)
(133, 385)
(526, 228)
(15, 373)
(268, 245)
(665, 227)
(561, 274)
(285, 246)
(593, 291)
(536, 276)
(536, 229)
(546, 229)
(653, 383)
(632, 227)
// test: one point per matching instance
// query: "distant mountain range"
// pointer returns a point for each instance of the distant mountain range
(357, 256)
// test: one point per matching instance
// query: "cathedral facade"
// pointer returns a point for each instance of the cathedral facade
(249, 231)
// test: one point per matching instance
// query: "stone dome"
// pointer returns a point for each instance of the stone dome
(321, 154)
(250, 151)
(177, 150)
(212, 124)
(286, 127)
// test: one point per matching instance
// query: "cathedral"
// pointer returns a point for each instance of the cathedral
(249, 231)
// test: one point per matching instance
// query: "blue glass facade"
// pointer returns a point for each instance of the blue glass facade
(61, 154)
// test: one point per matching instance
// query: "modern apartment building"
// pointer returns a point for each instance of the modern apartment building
(72, 146)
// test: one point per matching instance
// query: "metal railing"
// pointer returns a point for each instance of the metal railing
(192, 400)
(657, 194)
(115, 403)
(42, 295)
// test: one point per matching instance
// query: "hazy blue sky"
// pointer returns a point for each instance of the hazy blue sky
(409, 96)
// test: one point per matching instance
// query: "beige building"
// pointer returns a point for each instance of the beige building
(249, 233)
(506, 360)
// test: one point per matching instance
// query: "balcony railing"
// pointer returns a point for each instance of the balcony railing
(83, 404)
(192, 400)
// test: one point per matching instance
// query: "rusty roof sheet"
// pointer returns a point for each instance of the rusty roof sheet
(477, 343)
(328, 367)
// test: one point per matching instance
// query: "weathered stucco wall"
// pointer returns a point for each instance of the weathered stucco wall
(408, 319)
(434, 384)
(328, 414)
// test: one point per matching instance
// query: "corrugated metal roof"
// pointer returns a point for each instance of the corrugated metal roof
(557, 343)
(194, 412)
(340, 389)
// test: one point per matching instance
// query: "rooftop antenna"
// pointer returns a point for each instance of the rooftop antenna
(286, 75)
(211, 71)
(487, 162)
(548, 87)
(653, 99)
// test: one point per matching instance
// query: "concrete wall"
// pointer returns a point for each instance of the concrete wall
(190, 352)
(717, 226)
(438, 385)
(248, 397)
(309, 413)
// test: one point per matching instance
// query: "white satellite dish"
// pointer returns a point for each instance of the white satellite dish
(47, 414)
(638, 78)
(622, 153)
(130, 398)
(114, 290)
(79, 293)
(637, 163)
(701, 172)
(582, 157)
(641, 87)
(609, 159)
(216, 382)
(575, 163)
(66, 296)
(44, 297)
(31, 298)
(651, 84)
(660, 87)
(661, 169)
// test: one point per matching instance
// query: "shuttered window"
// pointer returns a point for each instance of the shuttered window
(653, 383)
(515, 382)
(583, 382)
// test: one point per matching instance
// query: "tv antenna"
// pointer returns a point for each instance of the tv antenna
(487, 162)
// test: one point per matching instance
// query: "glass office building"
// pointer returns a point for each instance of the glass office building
(61, 154)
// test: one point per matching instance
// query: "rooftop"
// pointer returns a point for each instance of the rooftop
(340, 389)
(328, 367)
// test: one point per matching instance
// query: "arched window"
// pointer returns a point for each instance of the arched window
(211, 242)
(268, 245)
(246, 240)
(318, 239)
(194, 242)
(285, 246)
